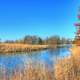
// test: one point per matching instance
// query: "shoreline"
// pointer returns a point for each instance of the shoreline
(21, 47)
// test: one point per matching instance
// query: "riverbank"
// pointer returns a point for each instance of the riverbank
(69, 67)
(39, 70)
(18, 47)
(21, 47)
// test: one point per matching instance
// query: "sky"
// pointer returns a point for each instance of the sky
(43, 18)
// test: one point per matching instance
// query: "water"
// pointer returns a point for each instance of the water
(48, 57)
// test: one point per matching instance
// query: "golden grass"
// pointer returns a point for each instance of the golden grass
(17, 47)
(69, 68)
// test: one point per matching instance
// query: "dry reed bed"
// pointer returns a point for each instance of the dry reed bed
(16, 47)
(69, 68)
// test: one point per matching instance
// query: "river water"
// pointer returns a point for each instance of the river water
(48, 57)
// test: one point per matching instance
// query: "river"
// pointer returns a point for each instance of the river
(48, 57)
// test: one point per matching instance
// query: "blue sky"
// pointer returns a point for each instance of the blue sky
(37, 17)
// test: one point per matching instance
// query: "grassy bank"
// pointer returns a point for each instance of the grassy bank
(23, 47)
(18, 47)
(69, 67)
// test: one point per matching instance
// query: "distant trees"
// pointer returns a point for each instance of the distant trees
(27, 39)
(53, 40)
(0, 40)
(9, 41)
(32, 40)
(65, 41)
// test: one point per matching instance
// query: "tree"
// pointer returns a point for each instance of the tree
(40, 41)
(32, 40)
(27, 39)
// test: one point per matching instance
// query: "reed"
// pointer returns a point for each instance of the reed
(19, 47)
(69, 68)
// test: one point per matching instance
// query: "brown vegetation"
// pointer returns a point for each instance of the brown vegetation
(69, 68)
(20, 47)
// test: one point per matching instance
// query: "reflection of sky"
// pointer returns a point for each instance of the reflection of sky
(46, 57)
(64, 52)
(10, 61)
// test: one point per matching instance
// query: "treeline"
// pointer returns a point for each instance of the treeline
(38, 40)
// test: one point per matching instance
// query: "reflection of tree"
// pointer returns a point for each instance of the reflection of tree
(55, 52)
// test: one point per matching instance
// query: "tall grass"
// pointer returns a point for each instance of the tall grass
(18, 47)
(68, 68)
